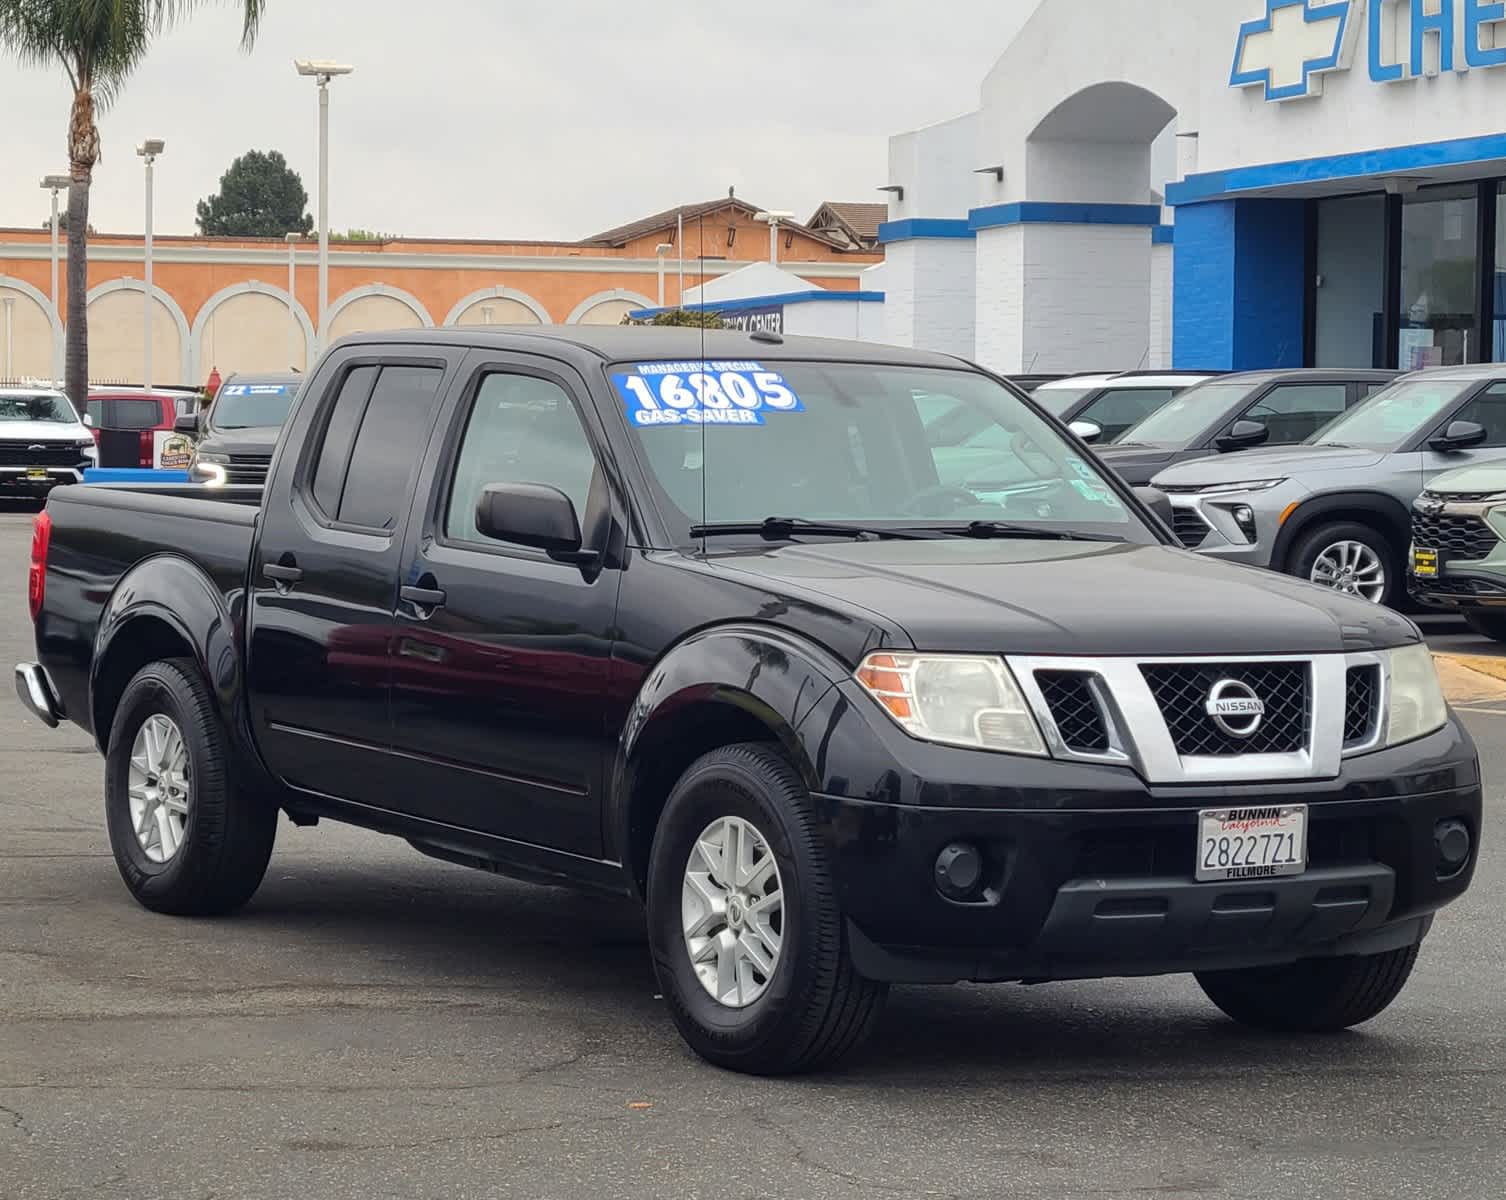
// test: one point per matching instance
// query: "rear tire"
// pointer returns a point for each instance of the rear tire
(1316, 995)
(1491, 625)
(1326, 544)
(206, 852)
(812, 1007)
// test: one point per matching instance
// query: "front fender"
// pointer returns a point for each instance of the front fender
(1392, 513)
(727, 678)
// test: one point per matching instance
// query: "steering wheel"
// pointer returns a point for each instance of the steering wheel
(927, 503)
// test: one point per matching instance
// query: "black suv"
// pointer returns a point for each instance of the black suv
(698, 620)
(1239, 412)
(239, 431)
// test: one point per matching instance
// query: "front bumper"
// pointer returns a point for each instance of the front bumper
(1205, 522)
(1086, 892)
(1461, 587)
(35, 480)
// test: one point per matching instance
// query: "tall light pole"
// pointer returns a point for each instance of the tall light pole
(56, 184)
(660, 251)
(323, 71)
(10, 305)
(773, 218)
(293, 239)
(149, 150)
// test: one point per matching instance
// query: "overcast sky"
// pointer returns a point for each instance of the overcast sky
(523, 118)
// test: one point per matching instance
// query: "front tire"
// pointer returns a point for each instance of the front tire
(1349, 557)
(748, 940)
(187, 840)
(1316, 995)
(1490, 625)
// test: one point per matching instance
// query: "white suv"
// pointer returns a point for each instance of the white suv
(43, 442)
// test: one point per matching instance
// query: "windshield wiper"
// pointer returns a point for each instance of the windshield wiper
(779, 529)
(1006, 529)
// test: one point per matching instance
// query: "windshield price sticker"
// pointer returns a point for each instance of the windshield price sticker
(255, 389)
(704, 393)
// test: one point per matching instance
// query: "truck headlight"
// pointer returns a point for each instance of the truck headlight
(1417, 706)
(209, 469)
(1248, 485)
(955, 699)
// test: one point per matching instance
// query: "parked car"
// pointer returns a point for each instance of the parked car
(238, 433)
(1102, 408)
(1239, 412)
(1458, 558)
(691, 618)
(1337, 511)
(135, 427)
(43, 443)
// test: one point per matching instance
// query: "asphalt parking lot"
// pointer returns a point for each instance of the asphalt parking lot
(376, 1024)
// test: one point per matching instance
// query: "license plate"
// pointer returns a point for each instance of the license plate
(1251, 843)
(1425, 563)
(37, 473)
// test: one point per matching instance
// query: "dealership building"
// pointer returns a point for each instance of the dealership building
(1227, 184)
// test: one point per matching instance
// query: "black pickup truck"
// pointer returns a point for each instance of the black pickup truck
(704, 620)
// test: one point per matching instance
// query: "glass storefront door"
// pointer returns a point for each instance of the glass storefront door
(1439, 272)
(1349, 328)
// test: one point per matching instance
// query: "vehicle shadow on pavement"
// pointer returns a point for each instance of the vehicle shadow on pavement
(428, 927)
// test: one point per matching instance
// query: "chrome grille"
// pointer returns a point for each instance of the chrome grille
(52, 454)
(248, 468)
(1191, 529)
(1074, 708)
(1361, 704)
(1182, 690)
(1461, 538)
(1459, 497)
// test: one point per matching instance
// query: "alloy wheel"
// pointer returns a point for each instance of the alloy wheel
(159, 788)
(732, 911)
(1353, 568)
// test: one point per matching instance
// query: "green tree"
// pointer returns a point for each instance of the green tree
(99, 44)
(693, 320)
(259, 196)
(362, 235)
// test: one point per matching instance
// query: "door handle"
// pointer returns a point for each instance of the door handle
(283, 577)
(425, 600)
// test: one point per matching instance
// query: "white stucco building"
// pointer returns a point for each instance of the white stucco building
(1219, 184)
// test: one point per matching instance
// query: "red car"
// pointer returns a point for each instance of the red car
(131, 425)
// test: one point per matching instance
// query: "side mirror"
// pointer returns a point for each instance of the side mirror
(532, 514)
(188, 423)
(1159, 503)
(88, 421)
(1460, 435)
(1243, 435)
(1088, 431)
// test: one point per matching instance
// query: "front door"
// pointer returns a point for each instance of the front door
(1488, 409)
(324, 575)
(501, 654)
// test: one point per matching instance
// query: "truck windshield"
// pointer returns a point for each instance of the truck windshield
(1391, 417)
(253, 405)
(1176, 424)
(884, 447)
(52, 410)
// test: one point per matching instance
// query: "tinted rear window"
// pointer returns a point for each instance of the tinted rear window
(135, 414)
(387, 448)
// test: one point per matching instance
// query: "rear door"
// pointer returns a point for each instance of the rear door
(324, 574)
(501, 656)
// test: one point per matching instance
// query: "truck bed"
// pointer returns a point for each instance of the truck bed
(99, 533)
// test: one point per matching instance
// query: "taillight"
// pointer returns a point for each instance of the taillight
(148, 449)
(36, 580)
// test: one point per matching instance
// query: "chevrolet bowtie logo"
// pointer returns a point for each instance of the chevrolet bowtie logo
(1291, 48)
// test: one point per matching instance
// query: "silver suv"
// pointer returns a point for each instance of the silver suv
(1337, 509)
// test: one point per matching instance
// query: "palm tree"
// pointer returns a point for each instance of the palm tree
(99, 44)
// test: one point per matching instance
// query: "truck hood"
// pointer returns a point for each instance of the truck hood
(258, 440)
(1484, 478)
(1267, 464)
(1135, 464)
(1072, 598)
(43, 431)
